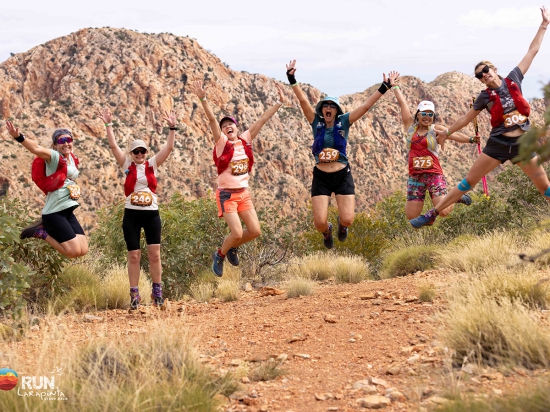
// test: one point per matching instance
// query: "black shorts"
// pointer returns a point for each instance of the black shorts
(132, 223)
(63, 225)
(503, 148)
(339, 183)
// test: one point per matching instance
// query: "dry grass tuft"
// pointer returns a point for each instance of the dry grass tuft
(267, 371)
(426, 292)
(324, 265)
(299, 287)
(228, 290)
(492, 318)
(202, 292)
(407, 261)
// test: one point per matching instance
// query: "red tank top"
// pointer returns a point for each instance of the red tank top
(418, 154)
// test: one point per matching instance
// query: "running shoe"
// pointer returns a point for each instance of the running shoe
(29, 231)
(134, 300)
(157, 300)
(424, 220)
(342, 231)
(465, 200)
(217, 264)
(232, 256)
(328, 239)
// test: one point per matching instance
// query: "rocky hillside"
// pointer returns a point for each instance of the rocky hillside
(62, 84)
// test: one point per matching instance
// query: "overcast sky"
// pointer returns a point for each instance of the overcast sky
(341, 46)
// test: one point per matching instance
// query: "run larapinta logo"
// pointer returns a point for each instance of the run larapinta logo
(8, 379)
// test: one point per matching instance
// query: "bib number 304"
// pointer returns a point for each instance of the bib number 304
(514, 118)
(141, 199)
(422, 162)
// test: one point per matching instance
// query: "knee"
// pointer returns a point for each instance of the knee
(321, 226)
(237, 235)
(347, 221)
(134, 257)
(255, 232)
(154, 257)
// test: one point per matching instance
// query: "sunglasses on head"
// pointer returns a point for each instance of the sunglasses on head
(139, 151)
(63, 140)
(331, 105)
(485, 70)
(424, 114)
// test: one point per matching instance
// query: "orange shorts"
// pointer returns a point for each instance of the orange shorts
(233, 201)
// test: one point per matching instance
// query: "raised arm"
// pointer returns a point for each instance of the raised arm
(537, 41)
(29, 144)
(308, 111)
(356, 114)
(107, 117)
(163, 153)
(258, 124)
(457, 136)
(406, 115)
(458, 125)
(200, 91)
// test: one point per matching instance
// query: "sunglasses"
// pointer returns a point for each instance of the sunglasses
(63, 140)
(485, 70)
(331, 105)
(139, 151)
(424, 114)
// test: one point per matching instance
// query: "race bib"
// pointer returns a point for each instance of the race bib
(328, 155)
(74, 191)
(141, 199)
(239, 167)
(514, 118)
(422, 162)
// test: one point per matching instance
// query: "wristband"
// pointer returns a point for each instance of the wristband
(173, 128)
(108, 125)
(395, 87)
(384, 87)
(202, 100)
(291, 78)
(447, 132)
(472, 139)
(279, 102)
(20, 138)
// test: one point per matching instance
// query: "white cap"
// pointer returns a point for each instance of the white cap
(138, 143)
(426, 105)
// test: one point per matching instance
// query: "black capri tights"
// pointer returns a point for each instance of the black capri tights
(132, 223)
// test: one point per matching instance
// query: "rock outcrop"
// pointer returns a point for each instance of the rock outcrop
(62, 83)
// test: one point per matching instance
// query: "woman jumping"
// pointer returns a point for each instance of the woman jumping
(332, 172)
(425, 172)
(509, 120)
(141, 206)
(234, 158)
(54, 172)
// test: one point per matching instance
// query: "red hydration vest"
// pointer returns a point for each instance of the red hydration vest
(56, 180)
(497, 111)
(223, 161)
(131, 178)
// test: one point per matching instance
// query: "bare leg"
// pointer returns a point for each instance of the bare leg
(73, 248)
(134, 257)
(236, 231)
(445, 211)
(483, 165)
(346, 209)
(155, 266)
(413, 208)
(252, 230)
(320, 212)
(537, 175)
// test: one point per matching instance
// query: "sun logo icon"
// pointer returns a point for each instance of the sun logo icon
(8, 379)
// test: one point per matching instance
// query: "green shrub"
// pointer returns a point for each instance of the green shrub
(409, 260)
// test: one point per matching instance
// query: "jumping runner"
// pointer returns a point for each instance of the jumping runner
(509, 120)
(425, 172)
(141, 207)
(332, 172)
(234, 159)
(54, 172)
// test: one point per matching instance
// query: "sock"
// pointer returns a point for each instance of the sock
(134, 292)
(157, 289)
(221, 254)
(40, 233)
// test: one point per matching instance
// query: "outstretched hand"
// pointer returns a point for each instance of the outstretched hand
(12, 130)
(199, 89)
(170, 118)
(441, 137)
(291, 67)
(105, 115)
(545, 15)
(282, 97)
(393, 78)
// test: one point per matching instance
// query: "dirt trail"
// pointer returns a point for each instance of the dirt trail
(349, 342)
